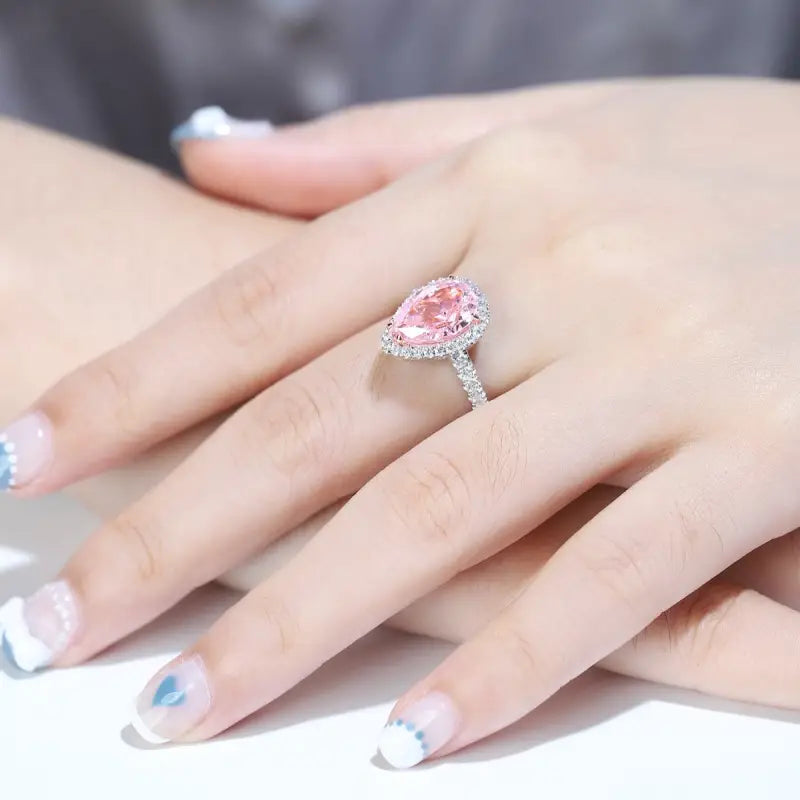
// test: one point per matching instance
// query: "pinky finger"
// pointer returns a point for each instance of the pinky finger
(706, 643)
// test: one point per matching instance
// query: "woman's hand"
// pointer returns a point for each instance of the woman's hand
(585, 306)
(706, 642)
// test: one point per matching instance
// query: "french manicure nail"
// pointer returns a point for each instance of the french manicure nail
(36, 630)
(213, 122)
(26, 449)
(174, 701)
(419, 731)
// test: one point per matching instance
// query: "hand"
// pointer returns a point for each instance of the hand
(661, 438)
(706, 642)
(80, 222)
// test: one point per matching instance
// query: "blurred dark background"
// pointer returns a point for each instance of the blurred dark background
(123, 72)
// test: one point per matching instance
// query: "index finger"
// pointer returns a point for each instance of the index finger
(255, 324)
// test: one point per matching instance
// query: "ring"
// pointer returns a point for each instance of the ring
(441, 319)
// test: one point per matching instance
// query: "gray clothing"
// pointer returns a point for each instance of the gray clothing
(122, 72)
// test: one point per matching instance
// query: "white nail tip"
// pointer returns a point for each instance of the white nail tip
(213, 122)
(20, 646)
(139, 725)
(400, 746)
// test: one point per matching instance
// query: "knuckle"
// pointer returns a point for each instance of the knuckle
(521, 652)
(113, 379)
(246, 304)
(503, 456)
(139, 546)
(702, 623)
(699, 523)
(528, 663)
(515, 149)
(774, 438)
(430, 498)
(301, 425)
(617, 564)
(604, 247)
(280, 626)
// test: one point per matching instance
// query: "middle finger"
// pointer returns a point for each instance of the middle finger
(303, 443)
(452, 501)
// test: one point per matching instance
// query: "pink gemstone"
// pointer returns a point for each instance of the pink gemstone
(437, 313)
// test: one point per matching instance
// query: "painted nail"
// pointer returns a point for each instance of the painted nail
(174, 701)
(35, 631)
(26, 449)
(418, 731)
(213, 122)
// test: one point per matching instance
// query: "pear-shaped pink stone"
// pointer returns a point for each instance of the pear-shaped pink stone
(439, 312)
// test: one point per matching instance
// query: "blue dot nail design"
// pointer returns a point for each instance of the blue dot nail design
(168, 693)
(403, 743)
(8, 463)
(425, 727)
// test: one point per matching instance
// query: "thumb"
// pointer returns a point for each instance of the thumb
(311, 168)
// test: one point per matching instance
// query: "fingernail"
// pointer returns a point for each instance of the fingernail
(212, 122)
(26, 449)
(174, 701)
(35, 631)
(419, 731)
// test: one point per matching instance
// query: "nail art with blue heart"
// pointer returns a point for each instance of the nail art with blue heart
(168, 693)
(175, 700)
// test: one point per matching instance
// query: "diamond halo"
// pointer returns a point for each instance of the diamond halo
(454, 348)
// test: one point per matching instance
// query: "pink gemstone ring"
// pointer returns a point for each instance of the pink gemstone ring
(442, 319)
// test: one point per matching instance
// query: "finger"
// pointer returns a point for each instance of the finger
(773, 570)
(255, 324)
(705, 643)
(666, 535)
(314, 167)
(300, 446)
(418, 523)
(304, 443)
(458, 609)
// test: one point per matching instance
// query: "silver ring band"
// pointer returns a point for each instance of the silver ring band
(468, 376)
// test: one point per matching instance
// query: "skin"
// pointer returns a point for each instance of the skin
(70, 233)
(729, 599)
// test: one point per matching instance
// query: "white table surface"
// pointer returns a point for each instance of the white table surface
(64, 733)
